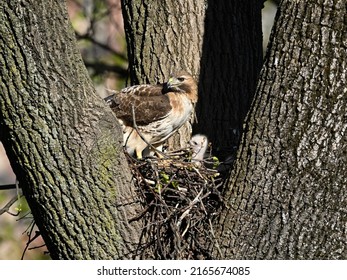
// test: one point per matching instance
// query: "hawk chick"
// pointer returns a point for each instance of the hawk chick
(156, 110)
(198, 145)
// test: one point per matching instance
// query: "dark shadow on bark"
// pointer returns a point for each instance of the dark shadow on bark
(230, 65)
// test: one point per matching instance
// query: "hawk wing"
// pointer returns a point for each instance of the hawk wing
(147, 103)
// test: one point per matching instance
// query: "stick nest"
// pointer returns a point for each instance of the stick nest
(180, 200)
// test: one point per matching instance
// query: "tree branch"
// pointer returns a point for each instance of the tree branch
(106, 47)
(6, 208)
(101, 68)
(8, 187)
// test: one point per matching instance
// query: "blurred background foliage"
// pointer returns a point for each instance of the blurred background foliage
(99, 29)
(98, 25)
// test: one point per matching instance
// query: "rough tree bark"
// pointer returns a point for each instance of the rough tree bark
(60, 138)
(287, 194)
(202, 37)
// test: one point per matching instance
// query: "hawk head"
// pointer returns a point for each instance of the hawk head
(180, 82)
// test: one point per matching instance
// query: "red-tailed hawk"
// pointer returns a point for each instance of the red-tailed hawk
(157, 110)
(198, 145)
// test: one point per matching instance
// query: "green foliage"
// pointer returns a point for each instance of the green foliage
(166, 180)
(216, 162)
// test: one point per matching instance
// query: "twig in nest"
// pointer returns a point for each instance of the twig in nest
(190, 206)
(139, 216)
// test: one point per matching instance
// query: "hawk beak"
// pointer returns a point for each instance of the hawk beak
(168, 85)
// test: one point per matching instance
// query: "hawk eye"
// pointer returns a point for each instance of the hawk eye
(181, 79)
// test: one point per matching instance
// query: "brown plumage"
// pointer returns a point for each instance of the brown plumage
(158, 110)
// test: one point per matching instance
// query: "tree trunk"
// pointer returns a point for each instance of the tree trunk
(204, 38)
(62, 141)
(287, 194)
